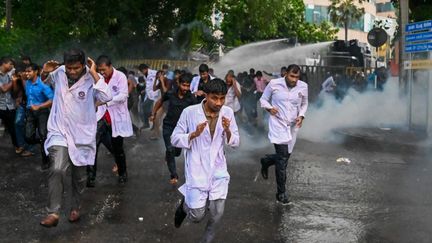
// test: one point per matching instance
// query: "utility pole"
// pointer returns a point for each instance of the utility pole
(403, 21)
(404, 76)
(8, 14)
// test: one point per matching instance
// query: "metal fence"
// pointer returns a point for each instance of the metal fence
(156, 63)
(316, 75)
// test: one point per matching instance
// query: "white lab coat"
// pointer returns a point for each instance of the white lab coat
(121, 122)
(72, 121)
(329, 84)
(205, 162)
(149, 80)
(290, 103)
(195, 83)
(231, 100)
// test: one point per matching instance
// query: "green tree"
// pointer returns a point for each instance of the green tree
(419, 9)
(344, 12)
(253, 20)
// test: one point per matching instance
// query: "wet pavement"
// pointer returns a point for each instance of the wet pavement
(381, 196)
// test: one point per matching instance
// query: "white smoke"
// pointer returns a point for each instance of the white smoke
(385, 109)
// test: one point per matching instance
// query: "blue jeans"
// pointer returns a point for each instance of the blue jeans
(20, 128)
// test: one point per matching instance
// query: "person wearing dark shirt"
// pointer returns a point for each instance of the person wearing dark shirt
(198, 82)
(178, 99)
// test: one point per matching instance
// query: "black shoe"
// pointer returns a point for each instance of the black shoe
(282, 199)
(123, 179)
(91, 182)
(264, 168)
(180, 215)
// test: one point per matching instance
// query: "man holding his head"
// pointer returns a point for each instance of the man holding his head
(114, 122)
(71, 140)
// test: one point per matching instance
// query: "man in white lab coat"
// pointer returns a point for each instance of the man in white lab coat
(114, 121)
(202, 131)
(71, 139)
(150, 96)
(286, 99)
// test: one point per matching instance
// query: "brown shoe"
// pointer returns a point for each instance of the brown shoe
(19, 150)
(74, 215)
(50, 221)
(27, 153)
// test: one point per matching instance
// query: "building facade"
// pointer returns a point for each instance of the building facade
(317, 12)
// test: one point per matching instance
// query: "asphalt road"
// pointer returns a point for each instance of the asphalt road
(378, 197)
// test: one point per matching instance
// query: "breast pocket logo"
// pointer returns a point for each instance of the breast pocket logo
(115, 88)
(81, 95)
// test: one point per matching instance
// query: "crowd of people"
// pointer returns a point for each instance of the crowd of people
(68, 109)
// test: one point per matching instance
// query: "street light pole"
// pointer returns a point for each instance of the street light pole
(405, 77)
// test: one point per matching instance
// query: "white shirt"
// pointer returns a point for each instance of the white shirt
(195, 83)
(149, 80)
(205, 162)
(121, 122)
(72, 120)
(290, 103)
(329, 84)
(231, 100)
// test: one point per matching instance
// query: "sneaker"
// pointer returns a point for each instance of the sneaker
(27, 153)
(19, 150)
(283, 199)
(91, 181)
(180, 214)
(123, 179)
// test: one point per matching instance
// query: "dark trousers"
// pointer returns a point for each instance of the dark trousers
(37, 120)
(171, 152)
(146, 110)
(280, 160)
(8, 118)
(114, 146)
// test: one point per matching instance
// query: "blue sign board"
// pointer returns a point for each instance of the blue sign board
(419, 26)
(425, 36)
(418, 47)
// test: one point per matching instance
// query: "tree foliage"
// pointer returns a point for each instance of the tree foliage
(344, 12)
(251, 20)
(136, 28)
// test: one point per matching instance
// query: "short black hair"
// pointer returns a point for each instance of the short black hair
(251, 70)
(294, 68)
(259, 73)
(33, 66)
(203, 68)
(185, 78)
(74, 55)
(24, 57)
(20, 67)
(165, 66)
(143, 66)
(215, 86)
(283, 68)
(6, 60)
(103, 59)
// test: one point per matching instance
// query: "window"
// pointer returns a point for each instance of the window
(384, 7)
